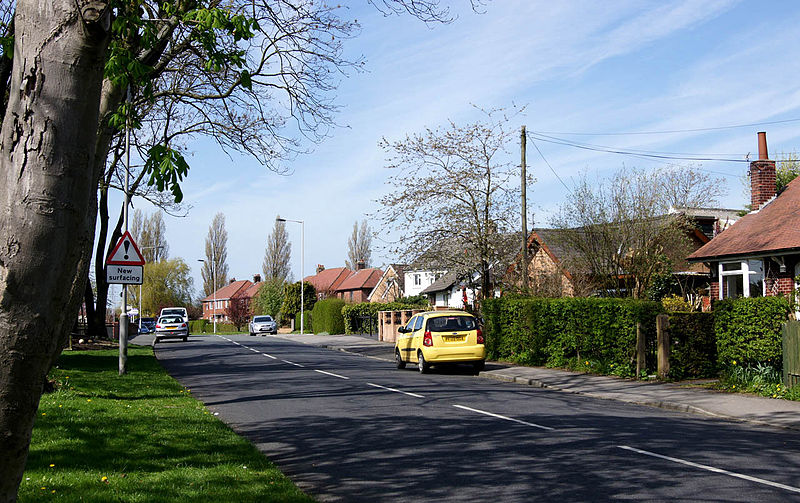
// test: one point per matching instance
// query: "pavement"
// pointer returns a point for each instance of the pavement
(682, 397)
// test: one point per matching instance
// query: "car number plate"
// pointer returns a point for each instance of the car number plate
(453, 338)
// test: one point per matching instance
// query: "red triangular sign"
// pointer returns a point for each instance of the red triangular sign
(126, 252)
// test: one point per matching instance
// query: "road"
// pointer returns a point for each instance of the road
(349, 428)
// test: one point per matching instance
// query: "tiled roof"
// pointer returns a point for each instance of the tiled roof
(772, 229)
(329, 279)
(228, 291)
(249, 292)
(361, 280)
(444, 283)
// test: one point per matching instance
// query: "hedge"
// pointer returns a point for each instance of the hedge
(352, 312)
(327, 316)
(693, 346)
(198, 326)
(748, 331)
(207, 327)
(564, 332)
(307, 323)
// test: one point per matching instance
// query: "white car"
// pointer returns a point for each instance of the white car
(171, 326)
(263, 325)
(173, 311)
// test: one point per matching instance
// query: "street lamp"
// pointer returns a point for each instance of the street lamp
(302, 261)
(214, 286)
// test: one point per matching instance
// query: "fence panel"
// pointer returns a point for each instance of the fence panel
(791, 353)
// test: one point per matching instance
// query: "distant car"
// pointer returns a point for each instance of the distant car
(167, 311)
(148, 325)
(172, 326)
(263, 325)
(437, 337)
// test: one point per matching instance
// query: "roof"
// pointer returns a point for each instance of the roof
(250, 291)
(228, 291)
(398, 278)
(361, 279)
(446, 282)
(329, 279)
(775, 228)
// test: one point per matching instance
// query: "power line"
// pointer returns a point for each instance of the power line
(668, 131)
(549, 166)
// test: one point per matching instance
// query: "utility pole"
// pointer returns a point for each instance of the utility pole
(523, 144)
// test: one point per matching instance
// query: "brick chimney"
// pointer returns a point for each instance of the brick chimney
(361, 265)
(320, 268)
(256, 278)
(762, 176)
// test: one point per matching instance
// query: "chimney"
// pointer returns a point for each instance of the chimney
(762, 176)
(320, 268)
(232, 280)
(256, 278)
(360, 265)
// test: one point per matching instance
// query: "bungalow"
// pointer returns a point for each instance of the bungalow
(759, 255)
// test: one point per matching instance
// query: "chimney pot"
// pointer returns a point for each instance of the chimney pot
(360, 265)
(762, 146)
(256, 278)
(320, 268)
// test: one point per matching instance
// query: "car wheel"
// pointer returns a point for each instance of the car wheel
(185, 339)
(423, 366)
(399, 359)
(478, 367)
(252, 334)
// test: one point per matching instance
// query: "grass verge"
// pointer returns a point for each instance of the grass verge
(139, 438)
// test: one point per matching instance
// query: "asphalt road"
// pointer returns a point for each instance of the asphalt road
(349, 428)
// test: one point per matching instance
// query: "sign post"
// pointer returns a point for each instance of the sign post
(124, 266)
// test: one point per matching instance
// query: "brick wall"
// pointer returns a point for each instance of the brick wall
(762, 182)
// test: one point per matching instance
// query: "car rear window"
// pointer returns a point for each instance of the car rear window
(171, 319)
(451, 323)
(262, 319)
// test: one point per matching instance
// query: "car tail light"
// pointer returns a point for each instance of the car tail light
(158, 325)
(183, 325)
(427, 339)
(480, 336)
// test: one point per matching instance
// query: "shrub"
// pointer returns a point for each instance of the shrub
(198, 326)
(675, 304)
(748, 331)
(307, 324)
(693, 346)
(327, 316)
(589, 333)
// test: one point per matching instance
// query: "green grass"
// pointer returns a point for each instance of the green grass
(139, 438)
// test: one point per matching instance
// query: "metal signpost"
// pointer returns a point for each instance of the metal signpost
(124, 266)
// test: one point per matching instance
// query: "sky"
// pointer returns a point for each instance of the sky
(698, 78)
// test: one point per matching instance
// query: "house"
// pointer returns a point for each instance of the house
(450, 291)
(359, 284)
(326, 281)
(390, 286)
(417, 280)
(243, 290)
(759, 255)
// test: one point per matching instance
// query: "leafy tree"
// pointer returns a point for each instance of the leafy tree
(269, 298)
(359, 246)
(454, 198)
(788, 169)
(238, 312)
(215, 266)
(277, 254)
(166, 283)
(291, 299)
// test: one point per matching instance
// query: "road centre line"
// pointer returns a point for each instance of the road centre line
(331, 374)
(395, 390)
(498, 416)
(712, 469)
(270, 356)
(293, 363)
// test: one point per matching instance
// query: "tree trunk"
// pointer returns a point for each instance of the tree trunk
(48, 185)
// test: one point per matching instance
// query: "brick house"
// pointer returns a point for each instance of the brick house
(242, 290)
(326, 281)
(759, 255)
(390, 286)
(359, 284)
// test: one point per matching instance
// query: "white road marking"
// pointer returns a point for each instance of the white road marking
(270, 356)
(498, 416)
(293, 363)
(395, 390)
(712, 469)
(331, 374)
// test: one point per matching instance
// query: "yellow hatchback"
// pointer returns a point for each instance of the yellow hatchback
(440, 337)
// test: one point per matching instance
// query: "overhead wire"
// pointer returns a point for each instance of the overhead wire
(671, 131)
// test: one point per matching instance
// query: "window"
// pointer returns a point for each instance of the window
(418, 324)
(744, 278)
(410, 324)
(417, 280)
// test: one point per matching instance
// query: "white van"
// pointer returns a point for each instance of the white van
(174, 311)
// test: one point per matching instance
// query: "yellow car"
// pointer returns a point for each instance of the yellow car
(440, 337)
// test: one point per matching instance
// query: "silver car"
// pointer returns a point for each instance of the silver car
(263, 325)
(171, 326)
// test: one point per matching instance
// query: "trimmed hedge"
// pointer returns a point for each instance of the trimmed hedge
(198, 326)
(327, 316)
(693, 345)
(307, 323)
(594, 333)
(352, 312)
(748, 331)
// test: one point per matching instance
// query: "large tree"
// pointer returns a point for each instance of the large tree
(215, 266)
(64, 73)
(150, 233)
(454, 198)
(359, 246)
(277, 254)
(618, 234)
(166, 283)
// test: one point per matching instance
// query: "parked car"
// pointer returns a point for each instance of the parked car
(263, 325)
(436, 337)
(148, 325)
(172, 326)
(167, 311)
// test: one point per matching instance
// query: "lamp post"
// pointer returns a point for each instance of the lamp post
(214, 286)
(302, 261)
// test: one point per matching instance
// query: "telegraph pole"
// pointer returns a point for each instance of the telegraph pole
(523, 145)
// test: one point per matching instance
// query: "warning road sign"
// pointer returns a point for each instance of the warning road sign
(126, 252)
(124, 274)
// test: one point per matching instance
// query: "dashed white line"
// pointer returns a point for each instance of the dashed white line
(331, 374)
(293, 363)
(270, 356)
(395, 390)
(712, 469)
(506, 418)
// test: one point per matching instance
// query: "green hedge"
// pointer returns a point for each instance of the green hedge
(748, 331)
(327, 316)
(592, 333)
(207, 327)
(198, 326)
(352, 312)
(693, 346)
(307, 323)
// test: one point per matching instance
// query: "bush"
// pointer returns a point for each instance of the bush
(693, 346)
(307, 324)
(675, 304)
(327, 316)
(748, 331)
(587, 333)
(198, 326)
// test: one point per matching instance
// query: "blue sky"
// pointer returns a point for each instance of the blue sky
(578, 67)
